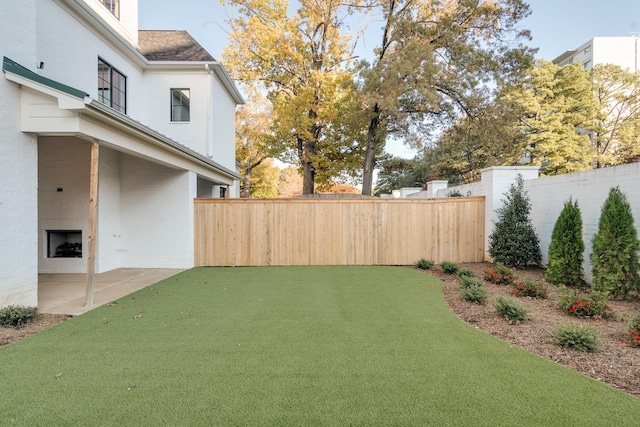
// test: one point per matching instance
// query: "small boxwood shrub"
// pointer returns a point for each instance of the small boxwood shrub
(634, 332)
(466, 281)
(465, 272)
(583, 304)
(530, 288)
(424, 264)
(581, 338)
(474, 293)
(511, 310)
(449, 267)
(17, 315)
(500, 275)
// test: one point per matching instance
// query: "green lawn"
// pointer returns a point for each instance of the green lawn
(331, 346)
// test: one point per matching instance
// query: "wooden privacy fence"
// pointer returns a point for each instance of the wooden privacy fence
(251, 232)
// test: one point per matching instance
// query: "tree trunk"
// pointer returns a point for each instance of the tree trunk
(370, 154)
(308, 177)
(246, 188)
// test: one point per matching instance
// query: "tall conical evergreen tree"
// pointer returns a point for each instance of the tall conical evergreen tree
(566, 248)
(615, 249)
(514, 241)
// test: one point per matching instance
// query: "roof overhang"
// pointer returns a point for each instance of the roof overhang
(568, 54)
(50, 108)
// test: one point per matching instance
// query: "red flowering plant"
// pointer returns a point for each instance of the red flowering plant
(500, 275)
(582, 304)
(530, 288)
(634, 332)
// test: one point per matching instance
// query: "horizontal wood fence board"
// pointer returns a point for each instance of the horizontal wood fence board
(256, 232)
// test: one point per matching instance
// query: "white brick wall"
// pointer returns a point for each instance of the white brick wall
(590, 189)
(64, 164)
(18, 166)
(157, 215)
(548, 194)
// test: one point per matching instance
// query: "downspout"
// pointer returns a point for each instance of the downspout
(210, 112)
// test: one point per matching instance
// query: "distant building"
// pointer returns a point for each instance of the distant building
(622, 51)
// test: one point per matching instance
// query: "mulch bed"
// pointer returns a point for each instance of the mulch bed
(614, 364)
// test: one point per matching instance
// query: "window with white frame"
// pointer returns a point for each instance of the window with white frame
(180, 105)
(112, 87)
(112, 6)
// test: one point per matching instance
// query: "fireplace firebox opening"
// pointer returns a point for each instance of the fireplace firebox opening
(64, 243)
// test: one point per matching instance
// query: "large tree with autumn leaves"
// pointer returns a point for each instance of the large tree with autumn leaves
(435, 61)
(302, 60)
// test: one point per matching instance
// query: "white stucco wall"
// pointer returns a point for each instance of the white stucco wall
(18, 166)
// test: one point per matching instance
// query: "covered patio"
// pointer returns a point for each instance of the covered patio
(65, 293)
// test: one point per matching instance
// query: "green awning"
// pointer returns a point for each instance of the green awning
(15, 68)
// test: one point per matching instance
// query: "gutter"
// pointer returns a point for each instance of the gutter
(154, 135)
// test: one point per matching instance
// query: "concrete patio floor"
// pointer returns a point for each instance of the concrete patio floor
(65, 293)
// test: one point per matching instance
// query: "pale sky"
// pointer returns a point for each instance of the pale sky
(556, 25)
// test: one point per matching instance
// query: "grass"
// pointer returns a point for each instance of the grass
(275, 346)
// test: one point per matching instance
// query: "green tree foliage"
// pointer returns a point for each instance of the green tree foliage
(395, 172)
(615, 249)
(435, 59)
(254, 144)
(566, 248)
(302, 60)
(557, 106)
(265, 180)
(514, 241)
(616, 127)
(487, 138)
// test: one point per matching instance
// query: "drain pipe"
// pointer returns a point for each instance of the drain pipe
(210, 112)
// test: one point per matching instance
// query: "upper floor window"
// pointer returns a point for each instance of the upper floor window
(112, 87)
(180, 105)
(112, 6)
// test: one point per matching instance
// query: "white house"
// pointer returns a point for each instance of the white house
(622, 51)
(150, 114)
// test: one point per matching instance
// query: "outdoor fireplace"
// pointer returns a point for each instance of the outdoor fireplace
(64, 243)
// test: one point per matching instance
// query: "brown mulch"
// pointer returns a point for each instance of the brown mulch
(613, 364)
(41, 322)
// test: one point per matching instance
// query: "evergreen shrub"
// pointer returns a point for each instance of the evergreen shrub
(424, 264)
(474, 293)
(449, 267)
(615, 249)
(581, 338)
(17, 315)
(511, 310)
(514, 241)
(566, 248)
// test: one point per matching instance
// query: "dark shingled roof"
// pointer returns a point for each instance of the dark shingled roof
(171, 45)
